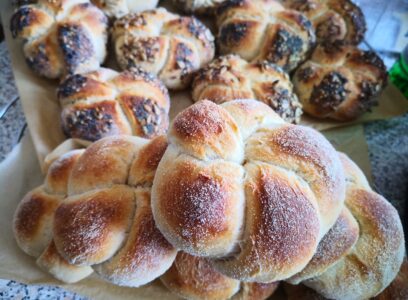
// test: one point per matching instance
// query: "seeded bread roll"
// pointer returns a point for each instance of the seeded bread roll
(192, 277)
(340, 82)
(93, 213)
(169, 45)
(229, 77)
(61, 36)
(104, 103)
(243, 188)
(119, 8)
(366, 268)
(333, 20)
(264, 30)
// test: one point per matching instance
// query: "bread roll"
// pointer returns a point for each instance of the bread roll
(61, 37)
(105, 103)
(240, 186)
(193, 277)
(163, 43)
(119, 8)
(368, 267)
(93, 213)
(340, 82)
(264, 30)
(333, 20)
(229, 77)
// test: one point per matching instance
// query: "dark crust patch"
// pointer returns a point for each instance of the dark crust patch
(73, 84)
(90, 123)
(366, 97)
(306, 74)
(330, 93)
(229, 4)
(371, 58)
(151, 117)
(21, 18)
(183, 59)
(355, 21)
(198, 29)
(39, 61)
(285, 46)
(232, 33)
(75, 44)
(140, 49)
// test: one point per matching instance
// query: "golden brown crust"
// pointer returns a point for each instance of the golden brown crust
(61, 37)
(333, 20)
(264, 30)
(32, 221)
(171, 46)
(340, 82)
(255, 291)
(374, 261)
(198, 198)
(193, 277)
(51, 261)
(230, 77)
(90, 228)
(105, 103)
(119, 8)
(145, 253)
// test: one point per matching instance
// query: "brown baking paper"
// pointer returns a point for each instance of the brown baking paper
(20, 173)
(42, 111)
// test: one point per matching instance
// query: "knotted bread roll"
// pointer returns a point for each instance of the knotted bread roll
(192, 277)
(93, 212)
(119, 8)
(104, 103)
(240, 186)
(169, 45)
(360, 257)
(229, 77)
(333, 20)
(264, 30)
(61, 36)
(340, 82)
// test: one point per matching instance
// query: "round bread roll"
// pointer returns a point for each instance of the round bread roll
(371, 264)
(119, 8)
(229, 77)
(193, 277)
(62, 36)
(169, 45)
(240, 186)
(203, 7)
(340, 82)
(105, 103)
(264, 30)
(333, 20)
(93, 213)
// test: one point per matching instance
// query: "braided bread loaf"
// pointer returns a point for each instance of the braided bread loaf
(340, 82)
(333, 20)
(61, 36)
(362, 254)
(264, 30)
(119, 8)
(171, 46)
(194, 277)
(104, 103)
(238, 183)
(230, 77)
(93, 212)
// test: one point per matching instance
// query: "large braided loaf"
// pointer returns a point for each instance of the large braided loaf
(264, 30)
(61, 36)
(239, 184)
(163, 43)
(93, 213)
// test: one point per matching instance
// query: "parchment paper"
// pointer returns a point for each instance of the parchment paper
(42, 110)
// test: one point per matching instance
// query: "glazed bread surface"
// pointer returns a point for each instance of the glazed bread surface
(105, 103)
(61, 37)
(230, 77)
(163, 43)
